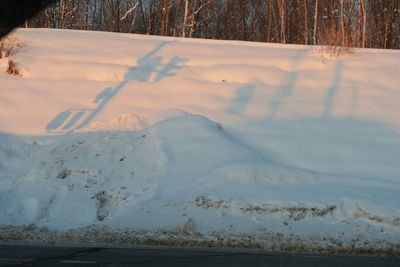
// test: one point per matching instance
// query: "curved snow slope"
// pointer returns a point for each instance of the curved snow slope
(149, 133)
(311, 111)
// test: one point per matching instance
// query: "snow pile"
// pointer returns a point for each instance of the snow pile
(126, 138)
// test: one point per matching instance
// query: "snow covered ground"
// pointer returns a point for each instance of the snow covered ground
(126, 138)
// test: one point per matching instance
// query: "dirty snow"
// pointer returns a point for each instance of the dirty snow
(135, 139)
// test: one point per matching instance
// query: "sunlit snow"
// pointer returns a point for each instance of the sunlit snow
(216, 138)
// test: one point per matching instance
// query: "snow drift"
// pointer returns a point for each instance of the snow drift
(138, 138)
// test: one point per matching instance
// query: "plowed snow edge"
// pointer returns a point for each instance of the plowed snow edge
(260, 240)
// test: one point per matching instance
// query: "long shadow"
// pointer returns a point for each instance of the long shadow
(77, 118)
(331, 91)
(354, 102)
(286, 86)
(243, 97)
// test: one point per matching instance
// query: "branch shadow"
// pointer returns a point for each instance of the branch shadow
(287, 85)
(332, 91)
(77, 118)
(242, 99)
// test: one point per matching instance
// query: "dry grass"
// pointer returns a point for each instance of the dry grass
(334, 45)
(13, 69)
(9, 47)
(335, 51)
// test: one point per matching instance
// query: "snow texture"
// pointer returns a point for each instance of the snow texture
(136, 139)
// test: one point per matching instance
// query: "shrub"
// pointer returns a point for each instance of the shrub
(12, 68)
(9, 47)
(336, 45)
(335, 51)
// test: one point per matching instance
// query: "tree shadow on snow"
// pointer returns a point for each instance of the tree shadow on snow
(243, 97)
(76, 118)
(287, 85)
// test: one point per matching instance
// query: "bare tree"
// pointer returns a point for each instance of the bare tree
(185, 18)
(363, 23)
(282, 16)
(305, 22)
(315, 23)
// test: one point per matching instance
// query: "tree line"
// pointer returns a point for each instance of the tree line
(353, 23)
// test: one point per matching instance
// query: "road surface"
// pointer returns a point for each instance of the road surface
(151, 256)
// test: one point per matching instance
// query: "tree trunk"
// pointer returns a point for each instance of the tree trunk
(176, 22)
(87, 15)
(315, 23)
(94, 16)
(269, 30)
(306, 22)
(143, 16)
(282, 15)
(364, 25)
(342, 22)
(185, 18)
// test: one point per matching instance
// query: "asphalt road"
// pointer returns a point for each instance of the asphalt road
(151, 256)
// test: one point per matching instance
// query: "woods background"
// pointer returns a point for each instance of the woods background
(353, 23)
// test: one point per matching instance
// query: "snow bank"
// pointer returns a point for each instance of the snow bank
(200, 142)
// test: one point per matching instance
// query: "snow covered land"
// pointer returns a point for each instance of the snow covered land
(128, 139)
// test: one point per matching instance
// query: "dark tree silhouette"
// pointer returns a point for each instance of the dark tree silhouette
(15, 12)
